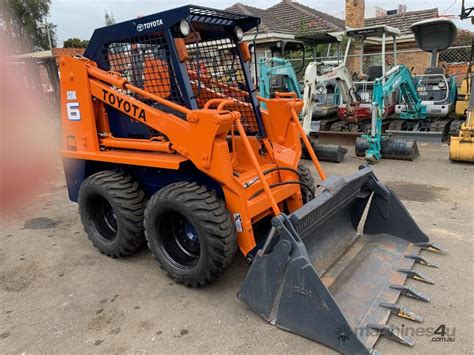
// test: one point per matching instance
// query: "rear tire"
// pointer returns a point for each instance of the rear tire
(190, 233)
(111, 206)
(307, 178)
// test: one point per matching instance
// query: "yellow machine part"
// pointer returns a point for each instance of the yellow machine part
(463, 97)
(462, 147)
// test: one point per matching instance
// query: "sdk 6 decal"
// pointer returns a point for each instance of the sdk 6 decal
(72, 108)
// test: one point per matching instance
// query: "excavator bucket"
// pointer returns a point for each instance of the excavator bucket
(316, 276)
(391, 148)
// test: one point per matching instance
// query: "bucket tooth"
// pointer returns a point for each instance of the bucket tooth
(392, 333)
(416, 275)
(421, 260)
(430, 246)
(402, 312)
(411, 292)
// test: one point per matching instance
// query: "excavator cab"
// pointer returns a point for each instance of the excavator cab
(277, 76)
(366, 75)
(437, 90)
(276, 72)
(165, 144)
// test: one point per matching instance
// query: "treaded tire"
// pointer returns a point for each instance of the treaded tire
(200, 208)
(111, 206)
(307, 178)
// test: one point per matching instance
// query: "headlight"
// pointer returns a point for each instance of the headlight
(184, 28)
(239, 33)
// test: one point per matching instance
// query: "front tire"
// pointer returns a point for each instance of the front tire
(190, 233)
(111, 206)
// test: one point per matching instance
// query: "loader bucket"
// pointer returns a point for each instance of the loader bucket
(392, 148)
(317, 277)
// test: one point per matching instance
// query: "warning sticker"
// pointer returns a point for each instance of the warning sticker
(238, 222)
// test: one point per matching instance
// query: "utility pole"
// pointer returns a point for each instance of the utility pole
(46, 26)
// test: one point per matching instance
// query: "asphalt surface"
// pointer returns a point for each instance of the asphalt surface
(60, 295)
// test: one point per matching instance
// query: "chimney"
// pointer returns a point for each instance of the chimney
(402, 9)
(354, 14)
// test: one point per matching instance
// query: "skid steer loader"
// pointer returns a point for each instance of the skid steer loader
(164, 143)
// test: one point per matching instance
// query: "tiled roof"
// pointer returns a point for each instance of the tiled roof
(291, 17)
(403, 21)
(267, 24)
(303, 19)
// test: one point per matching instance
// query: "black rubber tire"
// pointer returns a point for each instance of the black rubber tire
(113, 192)
(210, 220)
(307, 178)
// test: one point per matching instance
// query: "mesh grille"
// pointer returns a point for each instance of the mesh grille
(215, 14)
(216, 72)
(146, 64)
(214, 68)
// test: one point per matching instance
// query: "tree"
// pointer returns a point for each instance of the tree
(463, 38)
(23, 23)
(75, 43)
(109, 18)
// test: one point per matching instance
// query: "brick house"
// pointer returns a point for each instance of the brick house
(288, 20)
(407, 47)
(291, 20)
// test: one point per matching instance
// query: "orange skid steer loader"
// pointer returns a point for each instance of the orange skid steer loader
(165, 143)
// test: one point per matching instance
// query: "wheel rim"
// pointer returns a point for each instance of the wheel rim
(103, 218)
(178, 239)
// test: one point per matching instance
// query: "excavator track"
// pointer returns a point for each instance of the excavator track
(326, 125)
(441, 126)
(395, 125)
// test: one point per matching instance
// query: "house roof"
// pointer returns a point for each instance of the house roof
(303, 19)
(268, 23)
(402, 21)
(292, 18)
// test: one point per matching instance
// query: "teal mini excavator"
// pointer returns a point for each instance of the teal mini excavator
(374, 146)
(277, 75)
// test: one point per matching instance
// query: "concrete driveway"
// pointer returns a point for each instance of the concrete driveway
(60, 295)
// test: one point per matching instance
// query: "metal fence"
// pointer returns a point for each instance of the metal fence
(454, 60)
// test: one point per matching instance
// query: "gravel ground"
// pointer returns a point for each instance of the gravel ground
(60, 295)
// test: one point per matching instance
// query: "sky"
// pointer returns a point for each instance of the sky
(79, 18)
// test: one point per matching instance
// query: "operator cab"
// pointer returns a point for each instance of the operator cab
(438, 92)
(189, 56)
(375, 35)
(281, 79)
(376, 67)
(327, 54)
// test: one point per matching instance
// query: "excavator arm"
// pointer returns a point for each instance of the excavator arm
(398, 77)
(311, 82)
